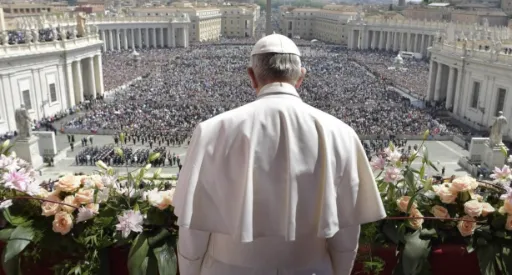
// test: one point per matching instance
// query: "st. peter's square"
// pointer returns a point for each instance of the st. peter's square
(242, 138)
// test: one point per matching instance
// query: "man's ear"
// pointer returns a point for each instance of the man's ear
(252, 76)
(301, 78)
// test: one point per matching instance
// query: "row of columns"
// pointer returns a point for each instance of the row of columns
(390, 40)
(132, 38)
(84, 79)
(444, 83)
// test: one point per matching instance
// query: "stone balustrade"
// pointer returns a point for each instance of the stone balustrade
(13, 50)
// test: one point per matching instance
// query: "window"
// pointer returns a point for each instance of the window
(26, 99)
(501, 101)
(53, 93)
(476, 94)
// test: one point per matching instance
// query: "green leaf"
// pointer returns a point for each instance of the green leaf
(426, 134)
(409, 180)
(166, 257)
(415, 253)
(12, 266)
(156, 240)
(13, 219)
(5, 234)
(507, 262)
(137, 255)
(20, 238)
(433, 166)
(390, 229)
(486, 256)
(422, 172)
(411, 202)
(153, 156)
(504, 151)
(149, 266)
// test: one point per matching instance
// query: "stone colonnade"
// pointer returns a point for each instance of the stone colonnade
(396, 40)
(119, 38)
(444, 83)
(84, 79)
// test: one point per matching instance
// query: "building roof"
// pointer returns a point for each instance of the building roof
(481, 12)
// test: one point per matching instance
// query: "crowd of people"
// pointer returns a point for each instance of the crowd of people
(89, 155)
(181, 87)
(413, 80)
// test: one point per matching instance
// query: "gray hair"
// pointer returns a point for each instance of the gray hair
(270, 67)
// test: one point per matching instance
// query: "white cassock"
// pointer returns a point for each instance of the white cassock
(273, 187)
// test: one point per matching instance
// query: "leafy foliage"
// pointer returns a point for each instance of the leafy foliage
(83, 218)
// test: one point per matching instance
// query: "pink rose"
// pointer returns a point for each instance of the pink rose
(440, 212)
(467, 226)
(403, 202)
(418, 221)
(97, 180)
(463, 184)
(84, 196)
(473, 208)
(446, 195)
(50, 208)
(508, 225)
(71, 201)
(166, 199)
(507, 207)
(94, 207)
(62, 223)
(487, 209)
(68, 184)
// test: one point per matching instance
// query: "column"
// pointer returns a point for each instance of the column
(132, 38)
(125, 39)
(430, 91)
(110, 41)
(162, 43)
(139, 38)
(170, 36)
(449, 92)
(104, 40)
(146, 39)
(118, 39)
(458, 92)
(185, 36)
(173, 37)
(437, 90)
(69, 84)
(415, 46)
(422, 48)
(79, 87)
(98, 74)
(155, 45)
(429, 43)
(395, 41)
(91, 85)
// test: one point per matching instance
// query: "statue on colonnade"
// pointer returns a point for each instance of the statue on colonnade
(23, 122)
(497, 127)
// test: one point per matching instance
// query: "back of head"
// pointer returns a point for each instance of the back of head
(276, 58)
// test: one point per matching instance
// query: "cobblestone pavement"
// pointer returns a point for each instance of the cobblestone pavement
(442, 153)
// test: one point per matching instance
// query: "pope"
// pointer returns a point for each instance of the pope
(275, 186)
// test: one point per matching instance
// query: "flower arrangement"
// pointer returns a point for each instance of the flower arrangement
(424, 211)
(73, 225)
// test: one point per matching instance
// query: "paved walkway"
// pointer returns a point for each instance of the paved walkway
(442, 153)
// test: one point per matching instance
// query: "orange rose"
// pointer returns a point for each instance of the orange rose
(50, 208)
(62, 223)
(68, 184)
(84, 196)
(507, 207)
(166, 199)
(487, 209)
(467, 226)
(403, 202)
(508, 225)
(416, 223)
(71, 201)
(440, 212)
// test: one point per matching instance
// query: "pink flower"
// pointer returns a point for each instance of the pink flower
(129, 221)
(392, 155)
(392, 175)
(378, 163)
(87, 213)
(507, 196)
(8, 163)
(502, 174)
(16, 180)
